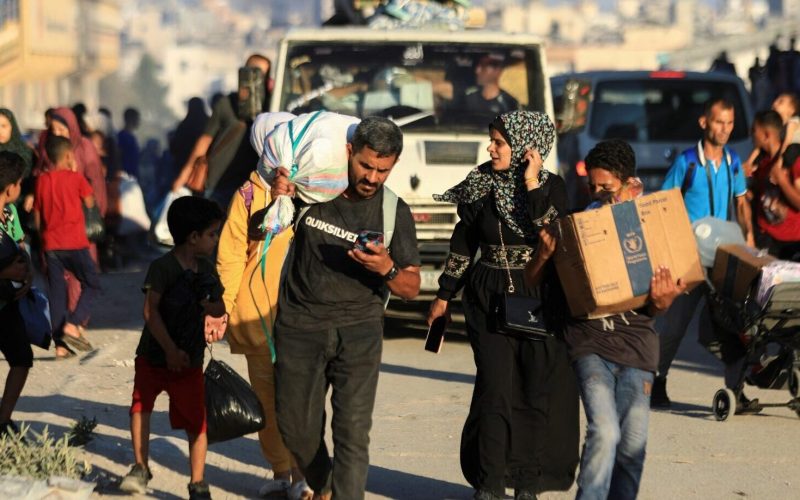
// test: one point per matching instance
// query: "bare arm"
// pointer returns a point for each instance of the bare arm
(544, 250)
(89, 201)
(200, 149)
(176, 358)
(745, 215)
(405, 285)
(789, 188)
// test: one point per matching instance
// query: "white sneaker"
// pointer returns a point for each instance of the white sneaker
(274, 486)
(300, 491)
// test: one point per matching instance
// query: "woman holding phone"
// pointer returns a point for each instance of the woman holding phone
(522, 428)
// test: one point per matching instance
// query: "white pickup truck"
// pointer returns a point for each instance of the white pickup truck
(420, 80)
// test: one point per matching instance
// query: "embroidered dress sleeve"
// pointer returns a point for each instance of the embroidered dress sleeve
(463, 246)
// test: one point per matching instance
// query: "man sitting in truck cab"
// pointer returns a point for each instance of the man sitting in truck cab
(487, 99)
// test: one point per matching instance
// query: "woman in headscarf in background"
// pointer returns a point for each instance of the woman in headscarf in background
(64, 124)
(522, 428)
(11, 140)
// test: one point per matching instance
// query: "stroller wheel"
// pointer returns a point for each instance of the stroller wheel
(724, 404)
(794, 382)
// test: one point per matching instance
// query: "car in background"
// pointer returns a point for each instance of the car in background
(655, 111)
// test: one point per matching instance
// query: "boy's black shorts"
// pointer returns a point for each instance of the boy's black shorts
(14, 343)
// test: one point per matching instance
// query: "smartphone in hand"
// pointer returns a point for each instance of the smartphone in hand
(364, 237)
(435, 338)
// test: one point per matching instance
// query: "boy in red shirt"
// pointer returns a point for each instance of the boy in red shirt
(61, 194)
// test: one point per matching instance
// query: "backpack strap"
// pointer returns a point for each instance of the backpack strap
(389, 210)
(688, 179)
(247, 193)
(389, 215)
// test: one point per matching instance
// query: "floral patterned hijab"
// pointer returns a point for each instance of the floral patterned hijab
(521, 129)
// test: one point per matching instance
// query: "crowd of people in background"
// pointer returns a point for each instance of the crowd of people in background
(73, 175)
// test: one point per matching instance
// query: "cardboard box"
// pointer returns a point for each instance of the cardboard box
(606, 257)
(736, 268)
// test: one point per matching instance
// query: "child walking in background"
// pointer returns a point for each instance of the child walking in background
(61, 194)
(15, 267)
(182, 296)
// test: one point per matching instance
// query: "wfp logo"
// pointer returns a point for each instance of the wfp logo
(632, 243)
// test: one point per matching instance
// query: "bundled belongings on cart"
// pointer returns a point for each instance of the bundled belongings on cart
(755, 312)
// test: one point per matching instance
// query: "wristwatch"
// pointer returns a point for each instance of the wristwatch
(392, 274)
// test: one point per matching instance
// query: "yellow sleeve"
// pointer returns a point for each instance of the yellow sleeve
(232, 250)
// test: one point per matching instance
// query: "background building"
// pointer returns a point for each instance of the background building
(55, 51)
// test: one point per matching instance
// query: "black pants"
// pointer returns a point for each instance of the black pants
(348, 360)
(522, 428)
(79, 263)
(14, 342)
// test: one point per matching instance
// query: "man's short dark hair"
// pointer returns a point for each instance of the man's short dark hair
(189, 214)
(259, 57)
(614, 155)
(12, 166)
(131, 115)
(716, 101)
(380, 134)
(56, 147)
(769, 119)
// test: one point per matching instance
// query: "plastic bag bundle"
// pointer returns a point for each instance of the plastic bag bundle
(232, 408)
(312, 147)
(710, 233)
(776, 273)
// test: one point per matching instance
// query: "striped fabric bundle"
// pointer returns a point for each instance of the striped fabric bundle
(312, 147)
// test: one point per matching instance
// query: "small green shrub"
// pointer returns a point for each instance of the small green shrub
(39, 455)
(82, 431)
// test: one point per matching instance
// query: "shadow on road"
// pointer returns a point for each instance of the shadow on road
(429, 374)
(396, 484)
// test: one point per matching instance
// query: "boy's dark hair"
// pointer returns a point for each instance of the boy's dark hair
(12, 166)
(380, 134)
(56, 147)
(131, 115)
(769, 119)
(714, 101)
(189, 214)
(614, 155)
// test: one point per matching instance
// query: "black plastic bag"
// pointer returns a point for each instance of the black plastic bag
(95, 227)
(232, 407)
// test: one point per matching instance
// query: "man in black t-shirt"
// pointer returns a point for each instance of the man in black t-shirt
(329, 329)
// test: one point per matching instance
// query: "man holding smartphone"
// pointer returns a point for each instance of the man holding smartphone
(329, 329)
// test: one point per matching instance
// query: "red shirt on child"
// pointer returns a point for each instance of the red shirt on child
(775, 215)
(59, 200)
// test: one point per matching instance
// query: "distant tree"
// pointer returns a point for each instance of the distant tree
(144, 91)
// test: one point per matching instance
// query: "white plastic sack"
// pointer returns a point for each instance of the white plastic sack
(263, 125)
(161, 229)
(710, 233)
(318, 162)
(775, 273)
(131, 207)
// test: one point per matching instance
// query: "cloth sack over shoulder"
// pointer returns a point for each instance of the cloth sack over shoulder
(232, 407)
(312, 147)
(35, 311)
(131, 206)
(161, 229)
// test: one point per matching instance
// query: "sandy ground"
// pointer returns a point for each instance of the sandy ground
(422, 402)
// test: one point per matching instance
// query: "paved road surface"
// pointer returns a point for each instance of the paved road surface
(422, 402)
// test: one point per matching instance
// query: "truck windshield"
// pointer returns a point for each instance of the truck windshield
(423, 86)
(659, 109)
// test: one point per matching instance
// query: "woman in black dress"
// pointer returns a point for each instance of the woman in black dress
(522, 428)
